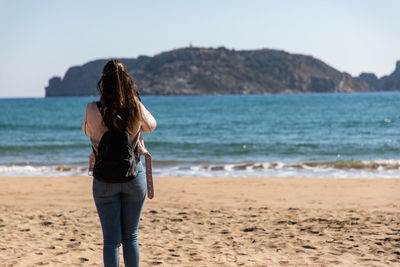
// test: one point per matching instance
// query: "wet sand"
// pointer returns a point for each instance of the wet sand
(52, 221)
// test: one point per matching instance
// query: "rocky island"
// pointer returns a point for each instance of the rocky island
(196, 71)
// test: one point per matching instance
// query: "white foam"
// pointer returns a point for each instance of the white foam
(279, 169)
(27, 170)
(385, 169)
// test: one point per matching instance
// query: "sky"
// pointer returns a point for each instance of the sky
(41, 39)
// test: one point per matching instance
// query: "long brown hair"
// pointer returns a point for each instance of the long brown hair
(118, 91)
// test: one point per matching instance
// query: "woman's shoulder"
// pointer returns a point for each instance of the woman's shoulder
(91, 107)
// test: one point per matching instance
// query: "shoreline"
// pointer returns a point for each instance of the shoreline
(216, 175)
(215, 221)
(263, 189)
(385, 169)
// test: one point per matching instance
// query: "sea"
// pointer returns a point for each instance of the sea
(341, 135)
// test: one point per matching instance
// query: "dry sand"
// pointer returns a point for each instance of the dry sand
(52, 221)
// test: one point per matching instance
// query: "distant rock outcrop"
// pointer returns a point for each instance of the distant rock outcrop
(392, 81)
(78, 81)
(197, 71)
(386, 83)
(369, 78)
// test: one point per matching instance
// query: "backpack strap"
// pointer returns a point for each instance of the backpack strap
(94, 150)
(100, 107)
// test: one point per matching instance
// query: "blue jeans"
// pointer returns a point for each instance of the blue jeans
(119, 207)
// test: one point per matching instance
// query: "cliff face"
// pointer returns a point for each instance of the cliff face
(386, 83)
(215, 71)
(78, 80)
(392, 81)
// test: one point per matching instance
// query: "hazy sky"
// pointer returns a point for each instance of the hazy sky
(41, 39)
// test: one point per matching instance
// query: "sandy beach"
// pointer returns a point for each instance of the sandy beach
(52, 221)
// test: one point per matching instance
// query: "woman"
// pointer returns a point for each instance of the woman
(119, 205)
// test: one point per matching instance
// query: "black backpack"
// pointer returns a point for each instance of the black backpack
(116, 161)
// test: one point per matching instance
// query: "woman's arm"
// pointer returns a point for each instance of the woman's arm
(147, 122)
(85, 126)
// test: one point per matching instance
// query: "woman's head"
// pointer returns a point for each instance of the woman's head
(117, 94)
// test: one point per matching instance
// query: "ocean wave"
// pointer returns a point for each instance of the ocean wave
(354, 165)
(28, 170)
(339, 169)
(341, 165)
